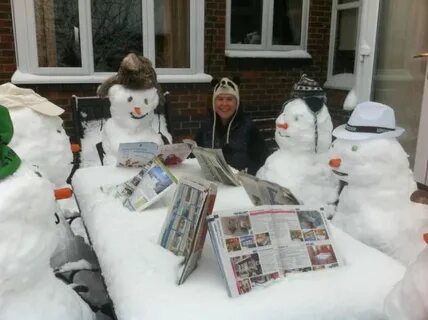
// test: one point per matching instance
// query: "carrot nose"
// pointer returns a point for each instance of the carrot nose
(63, 193)
(335, 163)
(426, 237)
(137, 111)
(75, 148)
(282, 125)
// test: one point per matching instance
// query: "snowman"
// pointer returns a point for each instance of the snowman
(134, 95)
(303, 134)
(408, 299)
(39, 135)
(28, 287)
(374, 206)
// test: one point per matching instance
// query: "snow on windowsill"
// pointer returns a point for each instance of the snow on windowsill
(292, 54)
(20, 77)
(341, 81)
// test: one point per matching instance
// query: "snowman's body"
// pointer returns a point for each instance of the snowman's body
(409, 298)
(132, 120)
(296, 165)
(42, 141)
(375, 205)
(28, 287)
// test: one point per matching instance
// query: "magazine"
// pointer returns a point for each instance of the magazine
(262, 192)
(214, 166)
(257, 246)
(150, 184)
(185, 227)
(137, 154)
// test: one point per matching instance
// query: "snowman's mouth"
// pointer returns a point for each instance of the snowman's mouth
(283, 134)
(342, 174)
(137, 117)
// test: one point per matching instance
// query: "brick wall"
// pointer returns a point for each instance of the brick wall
(7, 48)
(265, 83)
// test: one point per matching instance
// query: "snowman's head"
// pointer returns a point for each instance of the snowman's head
(27, 227)
(297, 127)
(129, 108)
(41, 140)
(368, 162)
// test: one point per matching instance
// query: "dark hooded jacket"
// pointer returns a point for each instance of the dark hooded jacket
(246, 148)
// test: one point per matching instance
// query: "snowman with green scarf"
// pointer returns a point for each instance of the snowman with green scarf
(28, 287)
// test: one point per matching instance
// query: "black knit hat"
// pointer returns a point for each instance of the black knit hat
(310, 91)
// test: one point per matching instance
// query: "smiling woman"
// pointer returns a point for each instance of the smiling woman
(231, 130)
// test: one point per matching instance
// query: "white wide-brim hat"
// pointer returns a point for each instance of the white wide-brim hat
(369, 120)
(12, 96)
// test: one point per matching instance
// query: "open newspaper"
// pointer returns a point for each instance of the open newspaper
(214, 166)
(185, 227)
(149, 185)
(262, 192)
(257, 246)
(137, 154)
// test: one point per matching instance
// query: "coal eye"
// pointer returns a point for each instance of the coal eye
(130, 98)
(354, 148)
(59, 131)
(296, 118)
(146, 101)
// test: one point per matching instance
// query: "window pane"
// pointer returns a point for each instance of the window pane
(117, 29)
(246, 21)
(346, 1)
(346, 38)
(172, 33)
(287, 22)
(57, 32)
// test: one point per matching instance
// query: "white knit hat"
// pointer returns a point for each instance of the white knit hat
(226, 86)
(12, 96)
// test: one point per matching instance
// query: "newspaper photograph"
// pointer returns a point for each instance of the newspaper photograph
(257, 246)
(214, 166)
(184, 230)
(262, 192)
(137, 154)
(149, 185)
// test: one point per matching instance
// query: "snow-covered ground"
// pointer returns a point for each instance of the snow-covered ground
(141, 275)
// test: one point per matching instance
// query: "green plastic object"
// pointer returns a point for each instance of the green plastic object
(9, 160)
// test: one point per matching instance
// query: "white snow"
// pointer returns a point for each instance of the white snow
(141, 276)
(28, 288)
(42, 141)
(132, 116)
(296, 165)
(375, 206)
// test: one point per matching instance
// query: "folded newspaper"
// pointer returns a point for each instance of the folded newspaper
(137, 154)
(185, 227)
(214, 166)
(263, 192)
(257, 246)
(149, 185)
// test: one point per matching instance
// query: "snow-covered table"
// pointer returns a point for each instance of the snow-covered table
(140, 275)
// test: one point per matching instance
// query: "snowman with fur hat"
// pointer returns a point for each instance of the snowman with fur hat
(374, 206)
(28, 287)
(303, 134)
(408, 298)
(134, 95)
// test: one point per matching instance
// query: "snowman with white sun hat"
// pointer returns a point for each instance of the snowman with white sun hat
(303, 134)
(28, 287)
(374, 206)
(134, 95)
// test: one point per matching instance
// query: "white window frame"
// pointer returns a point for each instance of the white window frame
(28, 70)
(341, 81)
(266, 49)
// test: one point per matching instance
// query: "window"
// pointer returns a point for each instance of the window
(343, 44)
(58, 40)
(258, 28)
